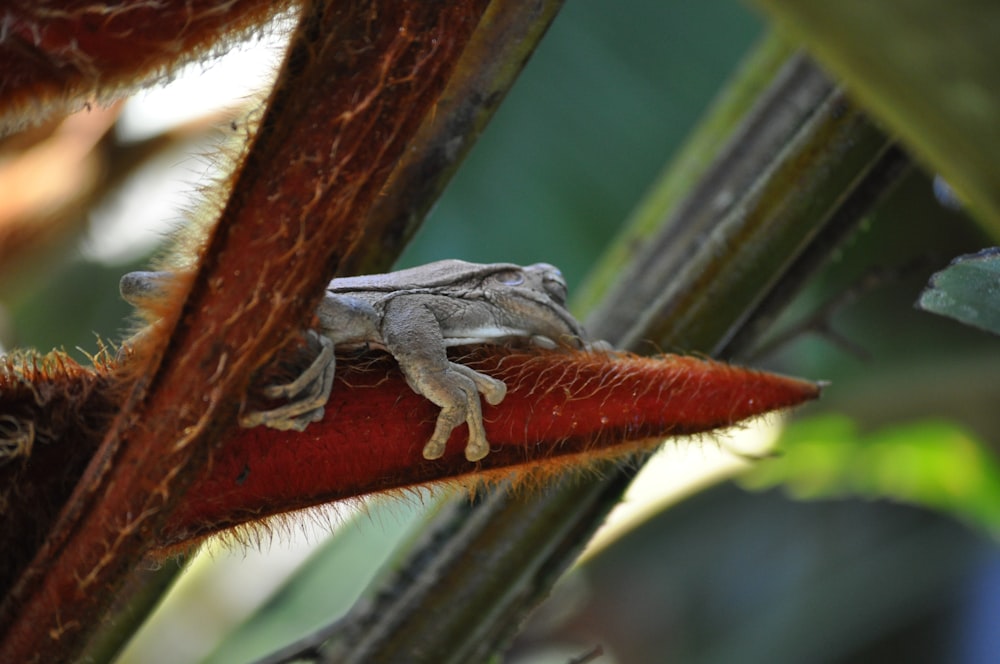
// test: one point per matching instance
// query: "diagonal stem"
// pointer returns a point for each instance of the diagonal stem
(357, 82)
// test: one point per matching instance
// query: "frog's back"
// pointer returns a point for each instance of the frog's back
(437, 275)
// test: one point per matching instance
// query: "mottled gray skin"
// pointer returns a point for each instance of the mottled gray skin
(415, 315)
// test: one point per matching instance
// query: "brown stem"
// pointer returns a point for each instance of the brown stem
(357, 81)
(58, 57)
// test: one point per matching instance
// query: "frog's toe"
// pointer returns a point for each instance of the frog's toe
(308, 395)
(434, 449)
(301, 422)
(478, 446)
(451, 416)
(314, 379)
(493, 390)
(540, 341)
(285, 418)
(599, 346)
(477, 450)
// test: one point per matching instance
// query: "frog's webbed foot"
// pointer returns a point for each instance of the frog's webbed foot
(456, 390)
(308, 394)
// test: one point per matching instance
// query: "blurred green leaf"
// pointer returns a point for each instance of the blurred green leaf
(728, 576)
(928, 70)
(968, 290)
(932, 463)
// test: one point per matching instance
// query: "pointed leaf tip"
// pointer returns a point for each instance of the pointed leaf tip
(562, 409)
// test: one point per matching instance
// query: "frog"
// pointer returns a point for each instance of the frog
(416, 315)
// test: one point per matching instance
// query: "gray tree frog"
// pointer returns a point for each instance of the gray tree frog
(416, 314)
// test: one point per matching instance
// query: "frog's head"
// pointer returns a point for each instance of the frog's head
(535, 296)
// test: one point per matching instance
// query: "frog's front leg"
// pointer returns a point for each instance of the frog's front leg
(413, 335)
(343, 319)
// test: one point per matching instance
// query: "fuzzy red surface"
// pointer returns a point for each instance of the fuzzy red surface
(562, 409)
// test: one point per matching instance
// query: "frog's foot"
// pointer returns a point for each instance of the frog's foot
(308, 394)
(600, 346)
(457, 391)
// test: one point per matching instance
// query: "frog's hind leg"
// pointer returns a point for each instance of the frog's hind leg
(309, 393)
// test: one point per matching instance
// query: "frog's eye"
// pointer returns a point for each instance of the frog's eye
(510, 277)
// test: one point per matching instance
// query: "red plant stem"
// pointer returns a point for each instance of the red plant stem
(66, 407)
(58, 55)
(562, 410)
(358, 80)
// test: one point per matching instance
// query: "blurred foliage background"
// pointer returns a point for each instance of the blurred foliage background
(870, 535)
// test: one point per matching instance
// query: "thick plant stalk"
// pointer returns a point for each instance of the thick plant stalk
(662, 233)
(291, 217)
